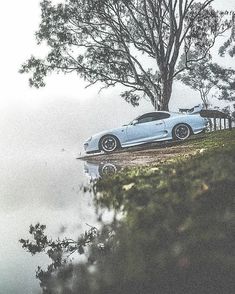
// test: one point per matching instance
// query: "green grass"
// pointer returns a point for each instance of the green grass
(213, 140)
(213, 160)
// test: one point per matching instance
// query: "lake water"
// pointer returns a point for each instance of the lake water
(45, 188)
(40, 177)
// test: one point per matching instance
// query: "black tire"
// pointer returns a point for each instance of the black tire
(109, 143)
(181, 132)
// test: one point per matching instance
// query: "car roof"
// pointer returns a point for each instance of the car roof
(158, 111)
(155, 112)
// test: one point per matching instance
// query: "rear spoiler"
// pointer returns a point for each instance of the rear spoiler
(195, 109)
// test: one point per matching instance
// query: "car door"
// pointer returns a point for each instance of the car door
(147, 129)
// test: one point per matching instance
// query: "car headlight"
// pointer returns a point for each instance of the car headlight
(88, 140)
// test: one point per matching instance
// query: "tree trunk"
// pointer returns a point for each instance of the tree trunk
(166, 94)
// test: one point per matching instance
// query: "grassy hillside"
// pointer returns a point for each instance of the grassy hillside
(213, 140)
(177, 235)
(213, 160)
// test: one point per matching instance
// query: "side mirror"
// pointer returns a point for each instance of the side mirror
(134, 122)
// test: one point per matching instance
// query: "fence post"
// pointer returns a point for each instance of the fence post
(214, 123)
(225, 123)
(230, 123)
(220, 124)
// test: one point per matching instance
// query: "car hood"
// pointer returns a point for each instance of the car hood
(113, 131)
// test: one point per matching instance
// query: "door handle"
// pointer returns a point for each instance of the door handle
(157, 124)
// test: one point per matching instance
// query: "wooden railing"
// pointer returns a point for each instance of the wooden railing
(219, 120)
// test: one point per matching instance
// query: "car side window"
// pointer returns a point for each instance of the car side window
(163, 115)
(145, 119)
(153, 117)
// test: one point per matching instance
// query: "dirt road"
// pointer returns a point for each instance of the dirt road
(146, 154)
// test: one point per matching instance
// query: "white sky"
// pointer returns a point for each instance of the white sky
(21, 105)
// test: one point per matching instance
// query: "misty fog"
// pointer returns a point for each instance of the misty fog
(42, 134)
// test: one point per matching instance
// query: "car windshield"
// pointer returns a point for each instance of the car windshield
(134, 120)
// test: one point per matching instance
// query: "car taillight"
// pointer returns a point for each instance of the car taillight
(206, 120)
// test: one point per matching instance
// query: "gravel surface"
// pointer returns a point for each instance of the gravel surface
(145, 154)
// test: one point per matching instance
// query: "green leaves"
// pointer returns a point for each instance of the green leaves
(229, 45)
(40, 239)
(208, 78)
(39, 70)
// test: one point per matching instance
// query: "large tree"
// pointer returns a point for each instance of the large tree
(135, 43)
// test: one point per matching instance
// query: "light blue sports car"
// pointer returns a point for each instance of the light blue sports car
(150, 127)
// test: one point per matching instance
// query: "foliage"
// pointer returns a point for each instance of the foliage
(229, 45)
(59, 251)
(206, 76)
(176, 235)
(135, 43)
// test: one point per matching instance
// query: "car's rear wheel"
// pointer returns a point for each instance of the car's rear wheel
(181, 132)
(109, 143)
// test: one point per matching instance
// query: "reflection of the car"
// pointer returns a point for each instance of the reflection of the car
(97, 170)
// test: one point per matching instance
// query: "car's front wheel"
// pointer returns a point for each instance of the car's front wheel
(108, 169)
(109, 143)
(181, 132)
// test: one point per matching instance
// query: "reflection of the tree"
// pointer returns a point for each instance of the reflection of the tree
(176, 235)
